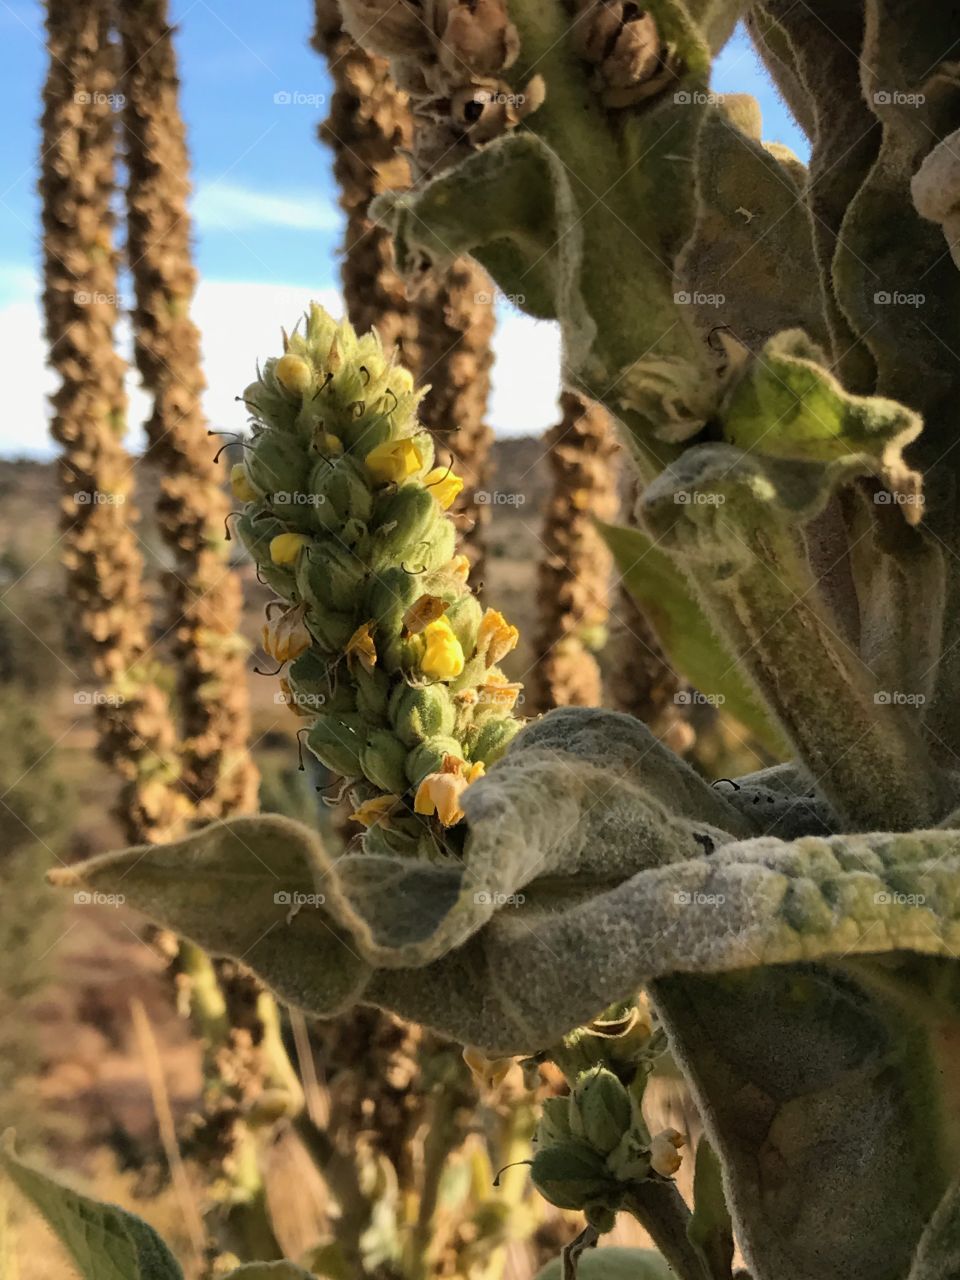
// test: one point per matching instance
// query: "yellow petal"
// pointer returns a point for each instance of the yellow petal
(487, 1072)
(240, 485)
(285, 547)
(444, 484)
(422, 612)
(496, 637)
(394, 461)
(374, 811)
(361, 646)
(443, 654)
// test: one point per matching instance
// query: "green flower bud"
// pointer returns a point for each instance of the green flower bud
(278, 463)
(421, 712)
(312, 679)
(404, 526)
(330, 576)
(336, 742)
(570, 1174)
(330, 629)
(554, 1124)
(429, 757)
(343, 493)
(601, 1217)
(629, 1161)
(256, 529)
(383, 761)
(600, 1109)
(269, 404)
(464, 615)
(489, 740)
(373, 694)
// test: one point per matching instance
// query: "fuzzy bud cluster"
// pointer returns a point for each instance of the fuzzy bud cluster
(391, 657)
(593, 1146)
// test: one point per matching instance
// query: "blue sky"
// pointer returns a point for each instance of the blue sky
(266, 223)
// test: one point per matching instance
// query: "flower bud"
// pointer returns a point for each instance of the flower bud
(285, 548)
(330, 576)
(496, 637)
(429, 757)
(445, 485)
(383, 760)
(336, 743)
(665, 1157)
(276, 462)
(554, 1123)
(490, 739)
(375, 811)
(341, 492)
(373, 693)
(417, 713)
(240, 485)
(570, 1174)
(285, 635)
(294, 374)
(600, 1109)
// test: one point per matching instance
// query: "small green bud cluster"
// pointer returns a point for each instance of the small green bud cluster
(391, 656)
(593, 1147)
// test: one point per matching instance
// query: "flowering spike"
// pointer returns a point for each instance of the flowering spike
(391, 655)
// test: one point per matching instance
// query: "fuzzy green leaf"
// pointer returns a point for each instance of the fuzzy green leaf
(683, 629)
(103, 1241)
(710, 1229)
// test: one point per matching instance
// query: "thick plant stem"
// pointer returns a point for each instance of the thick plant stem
(444, 334)
(574, 573)
(136, 735)
(206, 600)
(659, 1208)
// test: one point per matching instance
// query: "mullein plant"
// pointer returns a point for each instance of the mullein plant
(777, 347)
(392, 660)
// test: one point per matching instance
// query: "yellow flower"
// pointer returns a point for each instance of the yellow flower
(496, 637)
(328, 444)
(240, 485)
(424, 610)
(375, 811)
(459, 567)
(487, 1072)
(440, 793)
(444, 484)
(293, 374)
(394, 460)
(665, 1157)
(361, 646)
(285, 547)
(285, 634)
(442, 655)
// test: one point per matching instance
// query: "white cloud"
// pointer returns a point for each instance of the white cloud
(227, 206)
(240, 323)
